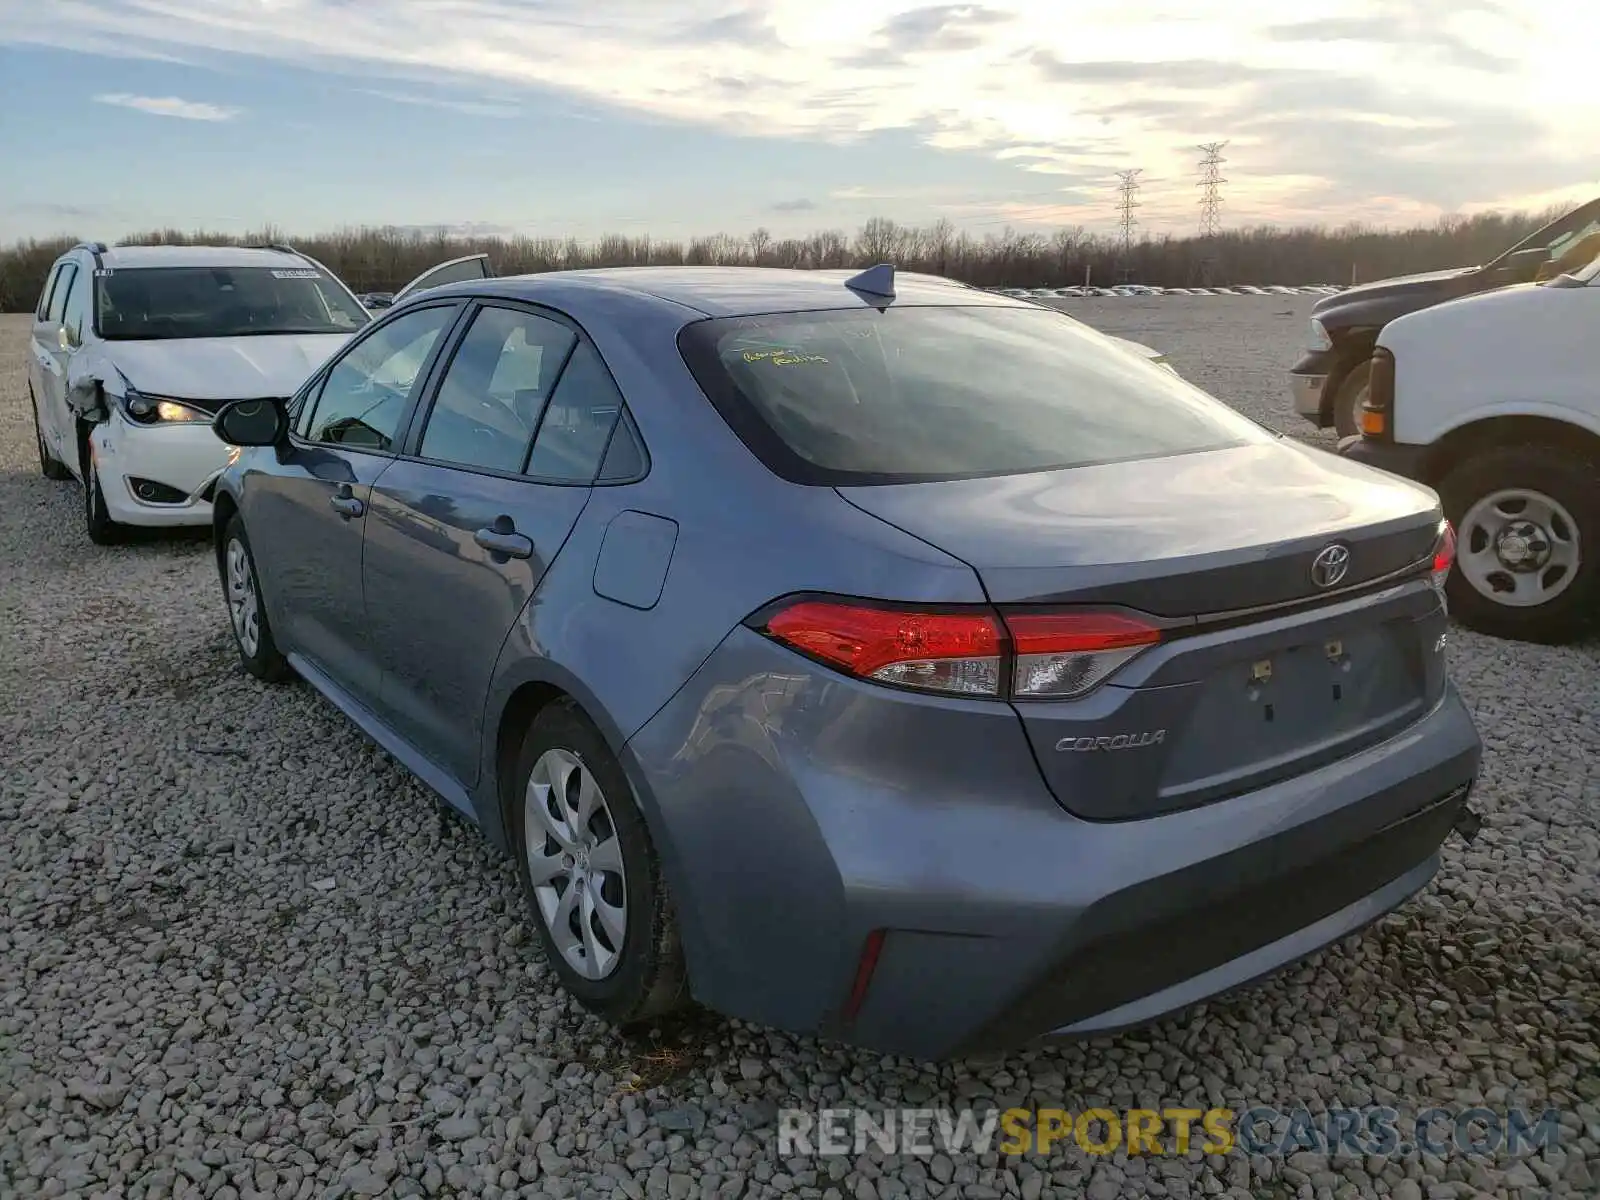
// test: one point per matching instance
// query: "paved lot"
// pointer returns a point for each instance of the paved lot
(240, 955)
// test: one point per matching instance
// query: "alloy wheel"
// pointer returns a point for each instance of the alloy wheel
(244, 605)
(1518, 547)
(574, 863)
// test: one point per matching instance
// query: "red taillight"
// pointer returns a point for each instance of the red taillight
(1051, 655)
(1444, 553)
(1065, 654)
(932, 651)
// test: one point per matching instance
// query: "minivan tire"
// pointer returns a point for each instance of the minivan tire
(97, 522)
(647, 977)
(1571, 480)
(241, 586)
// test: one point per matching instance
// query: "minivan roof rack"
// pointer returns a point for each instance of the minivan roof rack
(278, 246)
(96, 249)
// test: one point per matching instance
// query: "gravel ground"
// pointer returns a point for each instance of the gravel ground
(241, 955)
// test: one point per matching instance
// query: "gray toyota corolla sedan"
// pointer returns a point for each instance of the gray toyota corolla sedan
(870, 656)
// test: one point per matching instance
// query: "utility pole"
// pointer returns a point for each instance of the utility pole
(1127, 201)
(1211, 182)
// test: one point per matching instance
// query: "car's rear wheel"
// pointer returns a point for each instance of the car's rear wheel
(252, 634)
(590, 875)
(1527, 542)
(1351, 396)
(49, 465)
(97, 522)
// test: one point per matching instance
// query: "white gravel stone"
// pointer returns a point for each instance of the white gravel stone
(184, 1013)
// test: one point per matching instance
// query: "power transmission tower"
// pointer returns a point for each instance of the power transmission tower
(1211, 182)
(1127, 201)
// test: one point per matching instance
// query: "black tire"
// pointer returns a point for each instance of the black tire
(1351, 395)
(648, 978)
(262, 659)
(97, 522)
(1571, 480)
(49, 465)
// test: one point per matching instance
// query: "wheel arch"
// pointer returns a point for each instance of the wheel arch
(1462, 442)
(536, 686)
(223, 508)
(1352, 346)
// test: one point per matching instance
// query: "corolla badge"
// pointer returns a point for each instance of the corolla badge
(1121, 741)
(1330, 565)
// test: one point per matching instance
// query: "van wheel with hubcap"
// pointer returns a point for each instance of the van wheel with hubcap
(590, 876)
(252, 635)
(97, 522)
(1527, 524)
(49, 465)
(1352, 395)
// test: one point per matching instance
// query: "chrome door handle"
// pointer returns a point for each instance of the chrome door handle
(346, 505)
(502, 539)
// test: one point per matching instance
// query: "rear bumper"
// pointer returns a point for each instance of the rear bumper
(1395, 458)
(797, 813)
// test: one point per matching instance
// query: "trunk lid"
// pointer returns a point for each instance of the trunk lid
(1180, 536)
(1262, 673)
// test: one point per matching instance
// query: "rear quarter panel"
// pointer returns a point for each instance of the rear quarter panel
(744, 538)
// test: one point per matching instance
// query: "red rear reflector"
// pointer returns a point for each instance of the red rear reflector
(868, 963)
(944, 652)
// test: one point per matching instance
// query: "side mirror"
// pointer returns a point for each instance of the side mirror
(252, 423)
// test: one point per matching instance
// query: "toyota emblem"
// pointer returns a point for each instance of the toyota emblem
(1330, 565)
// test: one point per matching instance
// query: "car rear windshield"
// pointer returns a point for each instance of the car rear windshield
(862, 396)
(205, 302)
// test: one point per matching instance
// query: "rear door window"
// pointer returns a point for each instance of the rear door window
(861, 396)
(493, 392)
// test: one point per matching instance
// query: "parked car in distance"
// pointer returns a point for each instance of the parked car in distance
(135, 348)
(1056, 653)
(376, 300)
(1328, 384)
(1493, 400)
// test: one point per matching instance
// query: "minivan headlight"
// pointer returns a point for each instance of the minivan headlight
(155, 410)
(1319, 339)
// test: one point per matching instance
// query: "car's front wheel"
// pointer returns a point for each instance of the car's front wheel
(97, 522)
(1527, 542)
(252, 635)
(590, 875)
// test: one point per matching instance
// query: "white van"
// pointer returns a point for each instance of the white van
(1494, 400)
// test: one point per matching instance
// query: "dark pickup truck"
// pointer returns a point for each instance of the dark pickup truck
(1329, 383)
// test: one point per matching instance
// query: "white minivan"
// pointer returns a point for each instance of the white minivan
(135, 348)
(1494, 401)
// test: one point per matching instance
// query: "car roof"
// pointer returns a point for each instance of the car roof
(728, 291)
(125, 258)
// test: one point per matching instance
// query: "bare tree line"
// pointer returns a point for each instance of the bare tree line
(384, 258)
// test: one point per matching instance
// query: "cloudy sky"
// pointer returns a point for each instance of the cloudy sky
(672, 117)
